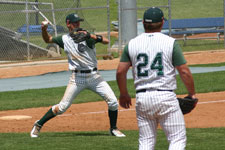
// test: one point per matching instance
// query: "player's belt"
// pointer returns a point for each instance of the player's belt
(85, 71)
(144, 90)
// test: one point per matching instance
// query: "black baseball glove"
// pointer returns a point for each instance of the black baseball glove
(187, 104)
(79, 36)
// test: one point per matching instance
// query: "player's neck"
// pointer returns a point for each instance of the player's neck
(152, 31)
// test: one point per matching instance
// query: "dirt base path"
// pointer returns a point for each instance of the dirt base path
(93, 116)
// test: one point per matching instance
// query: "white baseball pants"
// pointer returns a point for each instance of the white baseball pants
(92, 81)
(160, 107)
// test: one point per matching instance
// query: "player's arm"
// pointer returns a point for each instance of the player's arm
(121, 77)
(187, 79)
(100, 38)
(46, 37)
(180, 63)
(96, 39)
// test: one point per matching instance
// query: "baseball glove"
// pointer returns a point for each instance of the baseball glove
(79, 36)
(187, 104)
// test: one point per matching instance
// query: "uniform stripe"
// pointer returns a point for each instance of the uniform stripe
(151, 44)
(151, 57)
(155, 108)
(77, 59)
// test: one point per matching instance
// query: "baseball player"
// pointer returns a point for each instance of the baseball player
(83, 65)
(154, 57)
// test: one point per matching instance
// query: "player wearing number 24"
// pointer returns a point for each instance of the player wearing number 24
(154, 58)
(79, 45)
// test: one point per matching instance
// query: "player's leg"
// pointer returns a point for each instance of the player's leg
(102, 88)
(147, 125)
(173, 125)
(71, 92)
(105, 91)
(147, 133)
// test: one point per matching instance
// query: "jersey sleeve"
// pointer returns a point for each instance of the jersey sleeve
(91, 43)
(125, 55)
(178, 57)
(58, 40)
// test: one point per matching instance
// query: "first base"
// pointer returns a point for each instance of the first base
(15, 117)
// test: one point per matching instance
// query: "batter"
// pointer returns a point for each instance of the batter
(154, 57)
(83, 65)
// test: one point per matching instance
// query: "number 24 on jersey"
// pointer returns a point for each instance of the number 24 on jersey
(155, 65)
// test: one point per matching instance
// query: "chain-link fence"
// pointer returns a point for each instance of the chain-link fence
(185, 20)
(20, 28)
(134, 13)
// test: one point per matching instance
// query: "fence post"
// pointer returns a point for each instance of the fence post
(119, 27)
(169, 14)
(224, 22)
(108, 27)
(129, 20)
(54, 25)
(28, 34)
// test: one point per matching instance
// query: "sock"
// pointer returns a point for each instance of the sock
(49, 115)
(113, 118)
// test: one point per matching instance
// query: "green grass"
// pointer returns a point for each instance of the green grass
(69, 140)
(201, 45)
(198, 139)
(50, 96)
(201, 8)
(209, 65)
(205, 82)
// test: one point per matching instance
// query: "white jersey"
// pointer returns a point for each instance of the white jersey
(151, 57)
(80, 56)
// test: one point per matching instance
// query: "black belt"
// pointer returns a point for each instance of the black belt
(144, 90)
(85, 71)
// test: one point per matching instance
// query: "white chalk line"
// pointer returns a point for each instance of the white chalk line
(219, 101)
(97, 112)
(132, 109)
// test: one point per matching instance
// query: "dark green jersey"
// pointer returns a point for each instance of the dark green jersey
(58, 40)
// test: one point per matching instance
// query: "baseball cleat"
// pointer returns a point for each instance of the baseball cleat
(35, 130)
(117, 133)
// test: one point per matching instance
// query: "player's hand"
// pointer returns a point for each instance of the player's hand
(192, 96)
(44, 24)
(125, 101)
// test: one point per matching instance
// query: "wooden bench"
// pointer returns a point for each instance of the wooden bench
(193, 26)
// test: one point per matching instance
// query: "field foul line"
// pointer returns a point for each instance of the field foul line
(132, 109)
(97, 112)
(219, 101)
